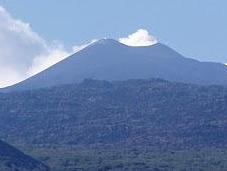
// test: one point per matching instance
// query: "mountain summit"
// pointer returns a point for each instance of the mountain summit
(107, 59)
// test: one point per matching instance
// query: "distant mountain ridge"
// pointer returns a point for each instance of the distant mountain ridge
(110, 60)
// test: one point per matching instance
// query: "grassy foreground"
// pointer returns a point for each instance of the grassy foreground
(78, 158)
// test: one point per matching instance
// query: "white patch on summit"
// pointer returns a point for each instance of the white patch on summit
(140, 38)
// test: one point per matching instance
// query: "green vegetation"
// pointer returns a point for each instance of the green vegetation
(64, 158)
(134, 125)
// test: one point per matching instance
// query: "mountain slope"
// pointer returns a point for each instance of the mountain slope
(152, 113)
(12, 159)
(110, 60)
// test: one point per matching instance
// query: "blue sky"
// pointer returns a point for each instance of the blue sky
(195, 28)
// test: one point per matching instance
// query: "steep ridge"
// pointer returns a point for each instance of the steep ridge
(12, 159)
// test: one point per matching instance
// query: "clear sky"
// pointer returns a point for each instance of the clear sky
(196, 28)
(43, 32)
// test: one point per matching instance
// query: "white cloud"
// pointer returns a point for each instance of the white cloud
(8, 76)
(140, 38)
(47, 59)
(23, 52)
(18, 43)
(52, 56)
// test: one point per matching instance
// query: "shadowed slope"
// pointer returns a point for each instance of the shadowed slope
(12, 159)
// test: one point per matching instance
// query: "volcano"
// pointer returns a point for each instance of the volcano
(107, 59)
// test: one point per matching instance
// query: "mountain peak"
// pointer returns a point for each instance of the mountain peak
(107, 42)
(112, 43)
(110, 60)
